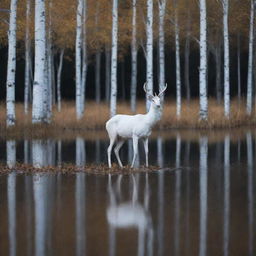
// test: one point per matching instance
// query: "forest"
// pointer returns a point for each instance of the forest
(104, 51)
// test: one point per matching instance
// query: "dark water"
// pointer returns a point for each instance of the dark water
(205, 208)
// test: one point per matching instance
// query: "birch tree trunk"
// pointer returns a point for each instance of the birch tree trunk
(203, 112)
(114, 59)
(250, 62)
(11, 66)
(59, 79)
(161, 45)
(149, 50)
(226, 59)
(27, 58)
(177, 54)
(40, 67)
(79, 15)
(49, 65)
(84, 58)
(134, 53)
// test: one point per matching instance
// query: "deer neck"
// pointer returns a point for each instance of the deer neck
(153, 115)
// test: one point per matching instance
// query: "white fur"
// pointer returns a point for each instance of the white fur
(122, 127)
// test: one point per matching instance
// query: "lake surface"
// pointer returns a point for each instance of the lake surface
(207, 207)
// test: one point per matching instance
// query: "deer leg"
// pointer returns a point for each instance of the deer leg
(117, 148)
(112, 141)
(145, 141)
(135, 149)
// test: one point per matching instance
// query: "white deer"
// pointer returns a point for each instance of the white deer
(122, 127)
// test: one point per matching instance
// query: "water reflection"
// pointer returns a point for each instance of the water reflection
(250, 190)
(129, 214)
(176, 212)
(226, 195)
(203, 176)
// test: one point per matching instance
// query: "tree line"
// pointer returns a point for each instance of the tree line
(47, 33)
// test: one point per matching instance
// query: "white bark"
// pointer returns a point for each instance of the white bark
(250, 62)
(27, 58)
(161, 45)
(79, 20)
(226, 59)
(177, 54)
(114, 59)
(149, 50)
(203, 195)
(134, 53)
(40, 71)
(11, 153)
(59, 79)
(203, 112)
(11, 66)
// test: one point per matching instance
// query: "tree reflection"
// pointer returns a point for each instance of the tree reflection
(226, 195)
(203, 179)
(250, 190)
(11, 196)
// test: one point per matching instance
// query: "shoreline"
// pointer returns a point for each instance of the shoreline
(96, 116)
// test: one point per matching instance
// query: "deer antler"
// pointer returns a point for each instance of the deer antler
(161, 92)
(145, 89)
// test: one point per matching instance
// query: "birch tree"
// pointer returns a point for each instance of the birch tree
(203, 112)
(79, 16)
(161, 44)
(114, 58)
(39, 85)
(177, 58)
(134, 53)
(250, 62)
(11, 66)
(59, 72)
(225, 4)
(149, 50)
(27, 84)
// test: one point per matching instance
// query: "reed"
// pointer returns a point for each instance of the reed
(96, 116)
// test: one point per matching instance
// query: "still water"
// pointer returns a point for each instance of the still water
(207, 207)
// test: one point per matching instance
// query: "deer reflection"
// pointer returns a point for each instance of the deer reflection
(130, 214)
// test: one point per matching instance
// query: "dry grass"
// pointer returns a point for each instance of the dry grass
(96, 116)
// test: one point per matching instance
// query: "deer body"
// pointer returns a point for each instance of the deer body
(122, 127)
